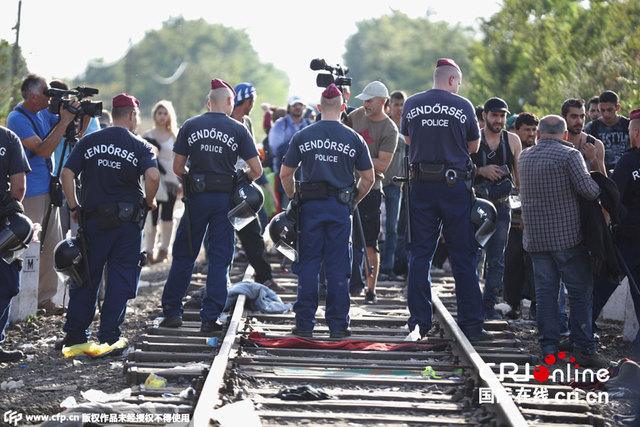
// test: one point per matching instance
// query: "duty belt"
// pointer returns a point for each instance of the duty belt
(429, 172)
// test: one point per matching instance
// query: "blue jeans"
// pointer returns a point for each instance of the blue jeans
(571, 266)
(392, 204)
(494, 250)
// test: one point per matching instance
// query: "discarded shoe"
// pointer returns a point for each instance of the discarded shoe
(274, 286)
(171, 322)
(10, 356)
(480, 336)
(301, 333)
(370, 298)
(212, 326)
(340, 334)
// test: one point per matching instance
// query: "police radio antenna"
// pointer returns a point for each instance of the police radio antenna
(336, 73)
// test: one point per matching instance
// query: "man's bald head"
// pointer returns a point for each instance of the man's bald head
(552, 126)
(447, 77)
(221, 100)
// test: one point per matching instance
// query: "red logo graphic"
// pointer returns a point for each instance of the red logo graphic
(365, 135)
(541, 373)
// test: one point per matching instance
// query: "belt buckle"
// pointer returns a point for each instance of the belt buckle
(450, 177)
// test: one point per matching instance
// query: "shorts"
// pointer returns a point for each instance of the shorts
(369, 209)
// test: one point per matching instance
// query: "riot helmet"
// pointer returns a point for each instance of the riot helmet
(282, 231)
(483, 217)
(247, 200)
(16, 231)
(67, 258)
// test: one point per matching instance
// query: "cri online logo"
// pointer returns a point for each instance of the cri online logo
(541, 373)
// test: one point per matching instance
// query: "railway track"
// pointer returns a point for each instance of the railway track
(376, 377)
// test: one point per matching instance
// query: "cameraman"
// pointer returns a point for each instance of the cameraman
(40, 134)
(89, 125)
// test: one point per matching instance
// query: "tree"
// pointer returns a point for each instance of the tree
(401, 51)
(177, 63)
(10, 85)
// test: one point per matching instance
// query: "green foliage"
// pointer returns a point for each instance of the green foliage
(9, 84)
(400, 51)
(204, 50)
(537, 53)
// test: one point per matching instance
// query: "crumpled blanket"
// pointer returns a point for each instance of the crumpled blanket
(350, 345)
(259, 297)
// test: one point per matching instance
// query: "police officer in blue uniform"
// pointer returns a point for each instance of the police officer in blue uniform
(13, 167)
(327, 153)
(112, 203)
(441, 130)
(212, 143)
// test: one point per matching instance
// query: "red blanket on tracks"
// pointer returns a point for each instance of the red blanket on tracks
(350, 345)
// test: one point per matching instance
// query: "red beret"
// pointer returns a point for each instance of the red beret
(331, 91)
(446, 61)
(635, 114)
(125, 100)
(217, 84)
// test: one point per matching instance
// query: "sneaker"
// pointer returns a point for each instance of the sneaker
(514, 313)
(66, 342)
(51, 309)
(273, 286)
(340, 334)
(490, 312)
(171, 322)
(480, 336)
(211, 326)
(301, 333)
(370, 298)
(594, 360)
(10, 356)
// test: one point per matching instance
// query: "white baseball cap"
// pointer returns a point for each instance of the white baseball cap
(374, 89)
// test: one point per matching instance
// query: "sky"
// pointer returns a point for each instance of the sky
(286, 33)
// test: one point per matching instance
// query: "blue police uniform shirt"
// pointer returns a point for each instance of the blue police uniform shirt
(213, 142)
(40, 176)
(627, 177)
(328, 151)
(13, 160)
(440, 125)
(111, 161)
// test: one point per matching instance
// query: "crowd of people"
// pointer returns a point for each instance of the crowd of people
(544, 208)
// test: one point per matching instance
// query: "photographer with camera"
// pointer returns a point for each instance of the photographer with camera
(497, 163)
(88, 125)
(40, 135)
(327, 153)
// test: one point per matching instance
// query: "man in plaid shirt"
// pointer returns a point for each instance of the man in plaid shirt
(552, 176)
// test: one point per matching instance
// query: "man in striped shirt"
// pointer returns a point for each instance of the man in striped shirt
(553, 175)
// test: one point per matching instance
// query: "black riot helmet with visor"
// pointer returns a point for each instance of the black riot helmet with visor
(16, 231)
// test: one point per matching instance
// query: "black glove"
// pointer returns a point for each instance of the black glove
(242, 177)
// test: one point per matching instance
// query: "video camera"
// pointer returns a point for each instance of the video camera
(336, 73)
(87, 107)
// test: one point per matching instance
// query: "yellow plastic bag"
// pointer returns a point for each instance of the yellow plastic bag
(93, 349)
